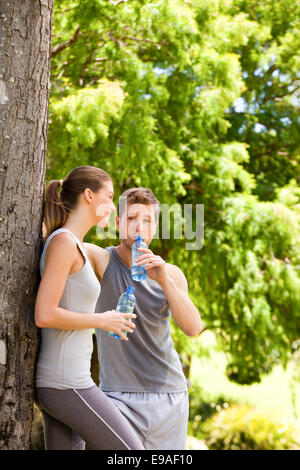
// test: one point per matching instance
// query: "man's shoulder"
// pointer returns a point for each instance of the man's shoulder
(98, 256)
(96, 249)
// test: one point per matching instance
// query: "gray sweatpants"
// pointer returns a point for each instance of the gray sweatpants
(159, 419)
(74, 417)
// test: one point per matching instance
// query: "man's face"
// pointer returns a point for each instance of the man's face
(137, 219)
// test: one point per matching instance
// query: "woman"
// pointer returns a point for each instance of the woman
(75, 411)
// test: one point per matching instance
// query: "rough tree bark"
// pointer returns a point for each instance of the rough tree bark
(25, 44)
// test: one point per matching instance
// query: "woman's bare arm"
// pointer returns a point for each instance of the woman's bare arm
(61, 256)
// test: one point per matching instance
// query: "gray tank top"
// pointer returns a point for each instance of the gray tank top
(65, 355)
(147, 362)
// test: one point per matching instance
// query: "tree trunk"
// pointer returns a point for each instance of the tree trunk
(25, 44)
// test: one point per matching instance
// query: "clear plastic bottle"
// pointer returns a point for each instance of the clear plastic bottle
(126, 304)
(138, 273)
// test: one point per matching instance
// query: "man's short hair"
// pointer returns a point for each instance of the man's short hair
(141, 196)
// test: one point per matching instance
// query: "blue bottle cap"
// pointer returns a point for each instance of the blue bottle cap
(139, 239)
(130, 290)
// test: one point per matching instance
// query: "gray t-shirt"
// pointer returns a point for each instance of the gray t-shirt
(65, 355)
(147, 362)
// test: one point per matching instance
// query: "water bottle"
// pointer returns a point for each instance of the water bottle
(126, 304)
(138, 273)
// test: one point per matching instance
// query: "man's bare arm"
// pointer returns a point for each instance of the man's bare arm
(183, 310)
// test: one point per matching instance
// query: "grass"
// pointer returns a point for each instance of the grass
(272, 394)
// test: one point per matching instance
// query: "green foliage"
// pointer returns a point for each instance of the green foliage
(202, 408)
(78, 120)
(241, 427)
(198, 101)
(263, 286)
(267, 119)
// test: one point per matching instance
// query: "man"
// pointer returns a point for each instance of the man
(143, 376)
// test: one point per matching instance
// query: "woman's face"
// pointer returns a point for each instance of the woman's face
(103, 205)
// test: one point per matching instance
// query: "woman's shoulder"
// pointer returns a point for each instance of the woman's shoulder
(61, 246)
(61, 239)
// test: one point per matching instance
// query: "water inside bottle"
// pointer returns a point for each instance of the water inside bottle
(138, 273)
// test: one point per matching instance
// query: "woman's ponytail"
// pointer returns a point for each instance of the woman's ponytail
(55, 213)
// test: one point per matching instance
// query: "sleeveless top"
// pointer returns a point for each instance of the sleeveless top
(65, 355)
(147, 362)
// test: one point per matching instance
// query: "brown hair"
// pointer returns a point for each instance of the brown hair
(58, 205)
(141, 196)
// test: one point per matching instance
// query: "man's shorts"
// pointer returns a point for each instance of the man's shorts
(159, 419)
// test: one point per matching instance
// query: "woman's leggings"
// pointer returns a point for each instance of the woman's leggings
(74, 417)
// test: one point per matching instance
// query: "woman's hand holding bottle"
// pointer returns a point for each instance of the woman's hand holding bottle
(116, 322)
